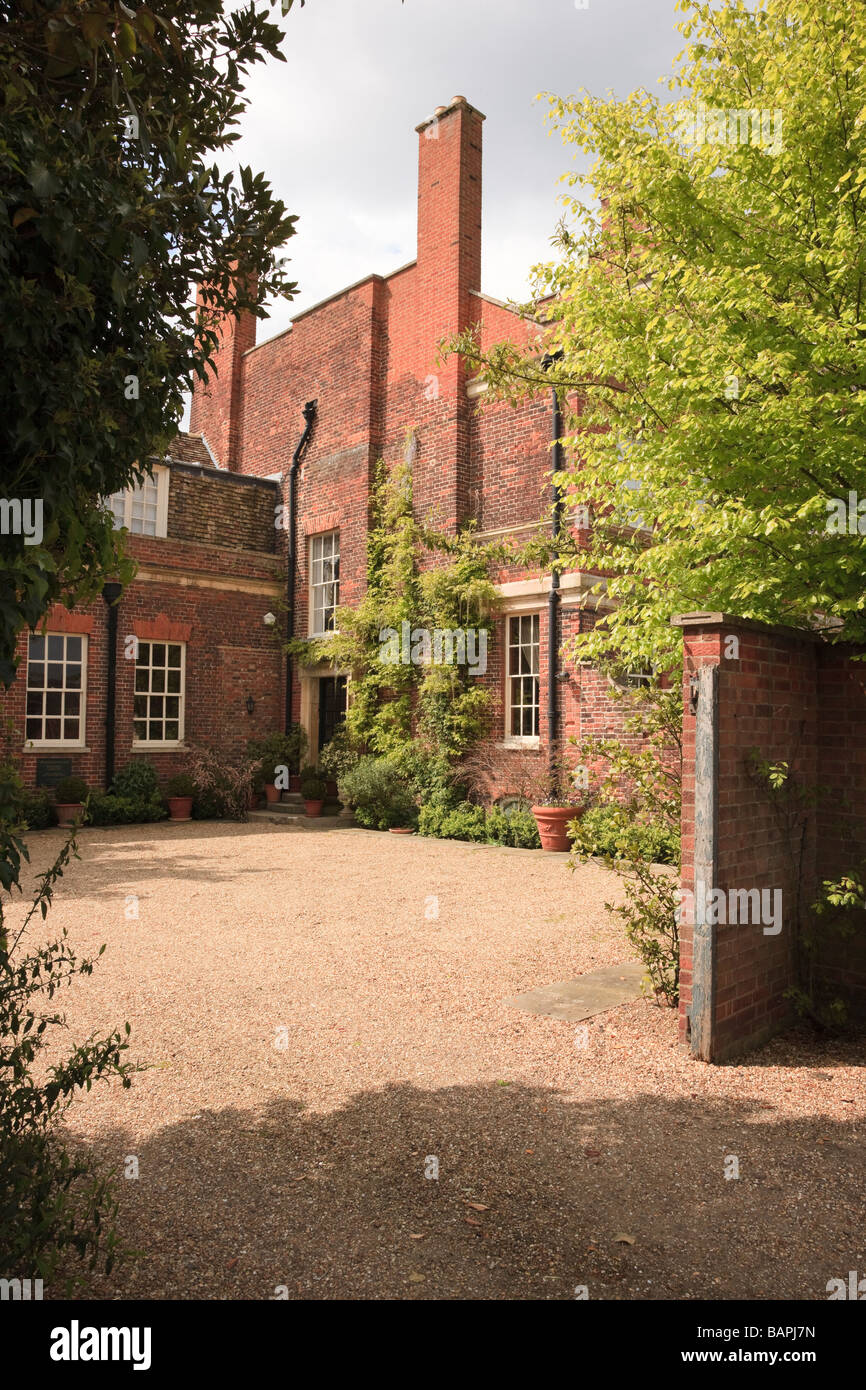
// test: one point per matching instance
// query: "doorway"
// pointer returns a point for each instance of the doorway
(332, 707)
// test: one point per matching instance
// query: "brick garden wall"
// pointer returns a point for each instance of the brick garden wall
(794, 700)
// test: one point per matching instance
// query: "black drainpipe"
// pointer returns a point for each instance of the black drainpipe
(309, 416)
(553, 598)
(111, 593)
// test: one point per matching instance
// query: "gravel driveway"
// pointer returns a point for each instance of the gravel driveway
(322, 1011)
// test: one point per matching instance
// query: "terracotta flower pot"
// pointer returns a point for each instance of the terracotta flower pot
(552, 822)
(313, 808)
(68, 812)
(180, 807)
(272, 792)
(401, 830)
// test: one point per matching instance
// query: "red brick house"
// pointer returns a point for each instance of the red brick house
(367, 357)
(263, 509)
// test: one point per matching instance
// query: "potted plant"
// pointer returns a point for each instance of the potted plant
(558, 804)
(179, 795)
(70, 796)
(277, 755)
(313, 788)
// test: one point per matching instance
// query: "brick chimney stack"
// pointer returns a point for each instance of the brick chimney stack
(449, 269)
(217, 407)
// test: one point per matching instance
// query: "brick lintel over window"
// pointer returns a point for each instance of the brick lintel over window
(59, 619)
(162, 629)
(325, 521)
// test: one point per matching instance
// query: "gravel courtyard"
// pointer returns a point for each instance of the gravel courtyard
(322, 1014)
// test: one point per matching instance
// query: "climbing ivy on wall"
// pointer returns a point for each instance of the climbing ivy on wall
(431, 582)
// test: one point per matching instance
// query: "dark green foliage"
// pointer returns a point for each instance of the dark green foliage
(275, 752)
(108, 809)
(466, 821)
(36, 810)
(378, 794)
(54, 1203)
(137, 781)
(134, 797)
(313, 784)
(70, 790)
(180, 785)
(101, 235)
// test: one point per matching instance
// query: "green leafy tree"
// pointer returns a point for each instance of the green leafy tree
(710, 320)
(112, 207)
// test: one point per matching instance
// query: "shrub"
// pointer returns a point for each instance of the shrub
(71, 790)
(338, 757)
(276, 751)
(138, 781)
(517, 828)
(104, 808)
(466, 821)
(36, 810)
(54, 1202)
(378, 794)
(134, 797)
(222, 788)
(635, 822)
(180, 785)
(610, 831)
(313, 784)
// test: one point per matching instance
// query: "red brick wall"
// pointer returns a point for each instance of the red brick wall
(211, 595)
(799, 702)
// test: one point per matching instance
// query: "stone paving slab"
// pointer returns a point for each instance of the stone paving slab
(572, 1000)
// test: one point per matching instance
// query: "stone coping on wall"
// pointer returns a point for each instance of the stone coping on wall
(701, 619)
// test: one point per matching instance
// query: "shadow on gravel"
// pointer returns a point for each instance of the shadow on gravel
(532, 1195)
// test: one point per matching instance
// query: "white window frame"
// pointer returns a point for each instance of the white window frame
(152, 743)
(81, 741)
(521, 740)
(160, 480)
(315, 585)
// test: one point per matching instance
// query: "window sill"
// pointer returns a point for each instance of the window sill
(56, 748)
(529, 742)
(158, 748)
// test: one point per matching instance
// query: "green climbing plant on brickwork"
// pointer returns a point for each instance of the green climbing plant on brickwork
(419, 583)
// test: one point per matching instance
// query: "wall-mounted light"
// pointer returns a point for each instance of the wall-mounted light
(251, 704)
(269, 620)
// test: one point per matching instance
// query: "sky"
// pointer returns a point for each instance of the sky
(333, 128)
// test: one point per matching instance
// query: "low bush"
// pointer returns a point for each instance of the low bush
(275, 752)
(611, 831)
(138, 781)
(338, 757)
(469, 822)
(313, 784)
(104, 808)
(36, 810)
(378, 794)
(180, 785)
(517, 828)
(222, 789)
(134, 797)
(70, 791)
